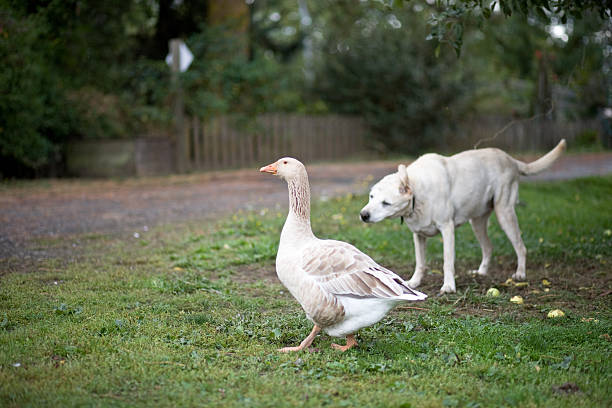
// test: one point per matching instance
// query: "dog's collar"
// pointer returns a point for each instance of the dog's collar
(411, 211)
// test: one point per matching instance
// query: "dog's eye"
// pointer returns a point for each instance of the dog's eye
(384, 203)
(371, 196)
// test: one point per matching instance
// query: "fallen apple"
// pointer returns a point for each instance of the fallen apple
(493, 292)
(555, 313)
(517, 299)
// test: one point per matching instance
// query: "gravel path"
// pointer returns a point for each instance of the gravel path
(65, 208)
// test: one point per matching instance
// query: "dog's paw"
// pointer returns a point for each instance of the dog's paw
(519, 275)
(447, 288)
(413, 283)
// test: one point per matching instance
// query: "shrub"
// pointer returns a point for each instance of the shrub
(384, 71)
(35, 115)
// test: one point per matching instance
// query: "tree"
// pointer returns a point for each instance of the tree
(451, 16)
(549, 58)
(84, 69)
(35, 114)
(378, 67)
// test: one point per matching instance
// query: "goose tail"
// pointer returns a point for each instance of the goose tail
(410, 294)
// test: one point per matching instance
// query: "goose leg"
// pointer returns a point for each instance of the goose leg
(305, 343)
(350, 342)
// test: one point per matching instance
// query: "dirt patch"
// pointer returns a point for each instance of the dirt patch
(251, 273)
(567, 388)
(577, 293)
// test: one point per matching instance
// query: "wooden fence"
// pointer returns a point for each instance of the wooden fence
(225, 142)
(218, 144)
(515, 135)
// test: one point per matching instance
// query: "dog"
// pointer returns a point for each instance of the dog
(436, 194)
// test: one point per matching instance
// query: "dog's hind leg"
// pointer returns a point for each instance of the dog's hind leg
(509, 223)
(479, 225)
(420, 243)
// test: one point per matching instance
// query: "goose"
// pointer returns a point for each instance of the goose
(340, 288)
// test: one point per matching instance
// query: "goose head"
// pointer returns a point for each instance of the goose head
(286, 168)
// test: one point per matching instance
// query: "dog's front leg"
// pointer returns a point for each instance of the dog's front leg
(448, 239)
(420, 243)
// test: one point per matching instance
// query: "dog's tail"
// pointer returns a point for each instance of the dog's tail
(544, 162)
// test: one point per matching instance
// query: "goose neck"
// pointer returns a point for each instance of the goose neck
(297, 226)
(299, 198)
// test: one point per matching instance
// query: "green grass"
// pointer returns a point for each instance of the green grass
(193, 315)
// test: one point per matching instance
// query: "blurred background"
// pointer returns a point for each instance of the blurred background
(88, 88)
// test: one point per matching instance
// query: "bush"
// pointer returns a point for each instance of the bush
(587, 139)
(35, 115)
(62, 80)
(392, 78)
(222, 79)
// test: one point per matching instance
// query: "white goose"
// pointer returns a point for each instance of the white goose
(340, 288)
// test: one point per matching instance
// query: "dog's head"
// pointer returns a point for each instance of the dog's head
(389, 197)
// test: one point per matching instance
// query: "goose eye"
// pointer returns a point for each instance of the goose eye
(384, 203)
(285, 162)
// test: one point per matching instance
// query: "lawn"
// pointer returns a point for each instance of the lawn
(192, 315)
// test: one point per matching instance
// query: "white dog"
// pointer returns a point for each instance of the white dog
(437, 193)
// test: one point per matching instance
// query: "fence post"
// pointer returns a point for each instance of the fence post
(181, 137)
(197, 152)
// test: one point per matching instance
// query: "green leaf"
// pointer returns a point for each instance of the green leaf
(450, 402)
(4, 323)
(276, 333)
(540, 12)
(563, 365)
(505, 7)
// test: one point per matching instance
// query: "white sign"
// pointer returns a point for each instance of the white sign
(185, 57)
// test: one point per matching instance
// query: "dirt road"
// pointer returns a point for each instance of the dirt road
(64, 208)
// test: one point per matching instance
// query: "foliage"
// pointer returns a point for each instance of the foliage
(580, 64)
(381, 70)
(95, 70)
(222, 79)
(52, 56)
(85, 40)
(35, 114)
(523, 53)
(449, 20)
(92, 69)
(277, 28)
(136, 323)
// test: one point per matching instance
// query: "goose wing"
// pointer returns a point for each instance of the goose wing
(341, 269)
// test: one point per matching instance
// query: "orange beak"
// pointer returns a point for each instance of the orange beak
(270, 168)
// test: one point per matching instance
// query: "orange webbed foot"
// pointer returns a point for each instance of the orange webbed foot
(350, 343)
(304, 344)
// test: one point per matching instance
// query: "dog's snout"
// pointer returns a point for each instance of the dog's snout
(365, 216)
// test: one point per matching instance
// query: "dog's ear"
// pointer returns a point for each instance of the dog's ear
(404, 187)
